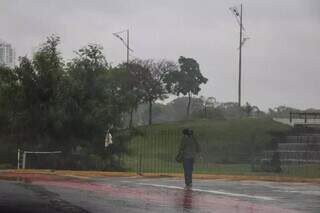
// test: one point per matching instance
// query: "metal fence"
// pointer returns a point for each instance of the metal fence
(155, 152)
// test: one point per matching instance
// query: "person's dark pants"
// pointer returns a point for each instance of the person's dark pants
(188, 168)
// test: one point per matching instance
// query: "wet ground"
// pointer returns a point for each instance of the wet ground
(52, 193)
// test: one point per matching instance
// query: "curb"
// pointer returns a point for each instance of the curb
(161, 175)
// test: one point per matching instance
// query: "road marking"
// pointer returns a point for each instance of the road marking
(210, 191)
(75, 176)
(126, 181)
(316, 193)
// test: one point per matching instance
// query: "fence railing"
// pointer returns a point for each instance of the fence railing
(155, 152)
(304, 115)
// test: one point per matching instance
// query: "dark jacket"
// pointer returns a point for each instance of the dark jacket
(189, 147)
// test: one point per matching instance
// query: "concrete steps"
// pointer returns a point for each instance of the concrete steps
(300, 145)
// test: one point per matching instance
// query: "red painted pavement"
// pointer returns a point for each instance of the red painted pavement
(174, 198)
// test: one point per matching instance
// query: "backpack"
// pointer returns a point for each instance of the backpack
(179, 157)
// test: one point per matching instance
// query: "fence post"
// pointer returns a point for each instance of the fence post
(18, 163)
(137, 165)
(138, 159)
(24, 160)
(140, 163)
(305, 117)
(253, 151)
(290, 117)
(119, 156)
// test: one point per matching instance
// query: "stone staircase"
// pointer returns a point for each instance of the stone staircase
(300, 145)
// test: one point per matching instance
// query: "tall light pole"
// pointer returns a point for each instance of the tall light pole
(238, 14)
(240, 58)
(126, 43)
(128, 47)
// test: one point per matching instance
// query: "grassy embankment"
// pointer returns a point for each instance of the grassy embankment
(228, 147)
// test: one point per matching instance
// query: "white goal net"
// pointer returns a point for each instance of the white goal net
(37, 159)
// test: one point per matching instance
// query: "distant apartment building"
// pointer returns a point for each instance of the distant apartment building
(7, 54)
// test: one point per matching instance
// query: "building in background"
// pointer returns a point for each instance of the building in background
(7, 54)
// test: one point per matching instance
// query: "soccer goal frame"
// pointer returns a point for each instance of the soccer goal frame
(21, 163)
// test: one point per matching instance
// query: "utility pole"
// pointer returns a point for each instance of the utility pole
(243, 38)
(240, 58)
(126, 43)
(128, 48)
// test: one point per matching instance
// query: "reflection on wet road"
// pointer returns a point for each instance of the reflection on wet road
(187, 200)
(52, 193)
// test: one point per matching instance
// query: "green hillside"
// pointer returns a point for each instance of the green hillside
(231, 143)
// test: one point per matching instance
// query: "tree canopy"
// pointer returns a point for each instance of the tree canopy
(186, 80)
(48, 104)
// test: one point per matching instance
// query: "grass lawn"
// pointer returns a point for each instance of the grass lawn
(227, 147)
(151, 165)
(231, 142)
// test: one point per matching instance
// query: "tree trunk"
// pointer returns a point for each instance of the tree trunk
(150, 112)
(188, 107)
(131, 118)
(205, 111)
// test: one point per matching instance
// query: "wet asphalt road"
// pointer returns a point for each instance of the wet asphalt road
(50, 193)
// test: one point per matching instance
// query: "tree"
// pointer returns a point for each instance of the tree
(135, 75)
(248, 109)
(92, 105)
(230, 109)
(186, 80)
(49, 105)
(49, 68)
(174, 107)
(98, 99)
(208, 103)
(30, 97)
(152, 82)
(10, 102)
(282, 111)
(37, 101)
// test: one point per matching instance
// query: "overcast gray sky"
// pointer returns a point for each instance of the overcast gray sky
(280, 61)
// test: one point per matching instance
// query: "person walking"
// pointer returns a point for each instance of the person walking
(188, 150)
